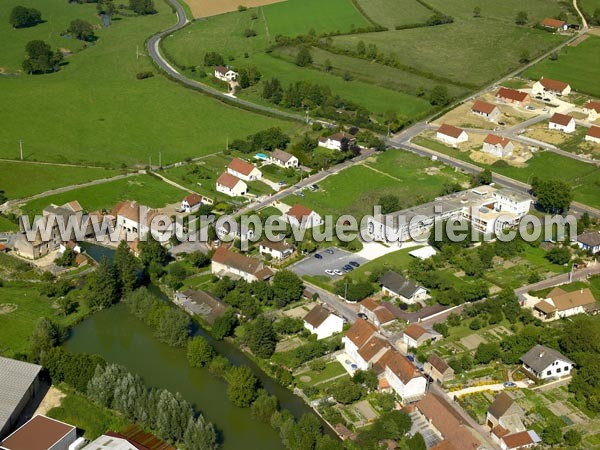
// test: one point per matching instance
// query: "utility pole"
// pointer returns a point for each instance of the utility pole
(159, 160)
(21, 148)
(307, 112)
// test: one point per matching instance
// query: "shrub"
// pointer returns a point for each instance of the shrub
(144, 75)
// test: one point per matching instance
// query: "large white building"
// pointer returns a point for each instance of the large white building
(41, 433)
(562, 122)
(544, 362)
(322, 322)
(498, 146)
(243, 170)
(489, 210)
(230, 185)
(546, 86)
(403, 377)
(593, 135)
(451, 135)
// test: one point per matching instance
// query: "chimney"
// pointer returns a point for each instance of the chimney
(542, 354)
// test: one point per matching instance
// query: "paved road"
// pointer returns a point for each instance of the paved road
(486, 387)
(154, 52)
(348, 310)
(559, 279)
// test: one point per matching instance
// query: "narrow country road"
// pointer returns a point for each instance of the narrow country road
(559, 279)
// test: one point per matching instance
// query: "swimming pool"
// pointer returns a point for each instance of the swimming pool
(261, 156)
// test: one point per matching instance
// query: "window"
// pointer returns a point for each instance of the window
(558, 370)
(549, 372)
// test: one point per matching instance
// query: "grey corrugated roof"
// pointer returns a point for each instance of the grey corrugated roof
(540, 357)
(15, 379)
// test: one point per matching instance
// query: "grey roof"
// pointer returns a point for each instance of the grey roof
(399, 284)
(15, 379)
(540, 357)
(591, 239)
(501, 404)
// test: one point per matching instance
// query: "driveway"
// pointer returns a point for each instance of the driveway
(313, 266)
(487, 387)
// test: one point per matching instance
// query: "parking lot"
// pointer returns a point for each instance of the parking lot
(336, 260)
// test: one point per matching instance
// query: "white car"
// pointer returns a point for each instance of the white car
(338, 272)
(329, 272)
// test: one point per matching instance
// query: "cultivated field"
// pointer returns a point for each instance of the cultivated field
(504, 11)
(207, 8)
(393, 13)
(95, 110)
(578, 66)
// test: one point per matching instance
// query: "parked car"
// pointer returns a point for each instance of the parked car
(501, 124)
(410, 357)
(338, 272)
(329, 272)
(354, 264)
(509, 384)
(330, 251)
(282, 183)
(318, 256)
(299, 193)
(363, 316)
(315, 186)
(530, 108)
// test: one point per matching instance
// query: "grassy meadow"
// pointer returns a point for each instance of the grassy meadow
(94, 110)
(394, 13)
(579, 66)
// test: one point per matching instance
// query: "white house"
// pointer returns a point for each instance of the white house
(589, 241)
(225, 74)
(230, 185)
(521, 439)
(41, 433)
(513, 96)
(593, 135)
(498, 146)
(562, 122)
(555, 24)
(283, 159)
(235, 230)
(486, 110)
(451, 135)
(337, 140)
(396, 285)
(302, 217)
(363, 345)
(560, 303)
(191, 203)
(546, 86)
(403, 377)
(235, 265)
(277, 249)
(376, 313)
(243, 170)
(543, 363)
(592, 109)
(133, 218)
(70, 244)
(322, 322)
(415, 335)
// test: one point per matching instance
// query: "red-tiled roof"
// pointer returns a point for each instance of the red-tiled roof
(228, 180)
(561, 119)
(483, 107)
(399, 366)
(370, 304)
(193, 199)
(553, 23)
(512, 94)
(40, 433)
(241, 166)
(553, 85)
(594, 132)
(593, 105)
(518, 440)
(360, 332)
(299, 212)
(248, 265)
(221, 69)
(372, 347)
(494, 139)
(450, 130)
(415, 331)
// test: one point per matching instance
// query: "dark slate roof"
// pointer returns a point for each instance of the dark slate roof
(317, 316)
(399, 284)
(591, 238)
(500, 405)
(540, 357)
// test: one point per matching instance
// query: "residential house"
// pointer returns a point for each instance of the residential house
(593, 135)
(299, 216)
(513, 97)
(244, 170)
(562, 122)
(560, 303)
(283, 159)
(337, 141)
(41, 433)
(402, 376)
(376, 313)
(446, 424)
(589, 241)
(415, 335)
(486, 110)
(546, 86)
(396, 285)
(505, 412)
(201, 303)
(191, 203)
(235, 265)
(592, 109)
(229, 185)
(543, 363)
(438, 369)
(357, 347)
(71, 245)
(555, 24)
(451, 135)
(133, 219)
(322, 322)
(522, 439)
(498, 146)
(225, 74)
(277, 249)
(234, 230)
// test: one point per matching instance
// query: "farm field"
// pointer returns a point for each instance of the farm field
(578, 66)
(589, 6)
(391, 14)
(585, 178)
(294, 17)
(107, 115)
(207, 8)
(506, 11)
(459, 51)
(41, 177)
(145, 189)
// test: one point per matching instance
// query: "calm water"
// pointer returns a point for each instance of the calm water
(123, 339)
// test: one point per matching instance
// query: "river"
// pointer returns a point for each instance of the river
(121, 338)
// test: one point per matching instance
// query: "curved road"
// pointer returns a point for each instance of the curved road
(154, 52)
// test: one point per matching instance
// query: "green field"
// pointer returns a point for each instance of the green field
(294, 17)
(145, 189)
(95, 110)
(589, 6)
(460, 51)
(19, 180)
(585, 178)
(578, 66)
(505, 11)
(393, 13)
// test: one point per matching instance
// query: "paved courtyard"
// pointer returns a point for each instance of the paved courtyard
(313, 266)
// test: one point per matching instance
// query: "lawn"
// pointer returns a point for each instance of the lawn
(589, 6)
(397, 261)
(578, 66)
(145, 189)
(95, 110)
(585, 178)
(504, 11)
(332, 369)
(460, 51)
(391, 13)
(77, 410)
(294, 17)
(42, 177)
(7, 225)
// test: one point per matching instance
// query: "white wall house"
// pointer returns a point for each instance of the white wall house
(191, 203)
(498, 146)
(283, 159)
(225, 74)
(592, 109)
(560, 303)
(243, 170)
(562, 122)
(299, 216)
(277, 250)
(403, 377)
(232, 186)
(486, 110)
(133, 219)
(235, 265)
(451, 135)
(356, 338)
(544, 362)
(589, 241)
(593, 135)
(322, 322)
(547, 87)
(335, 141)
